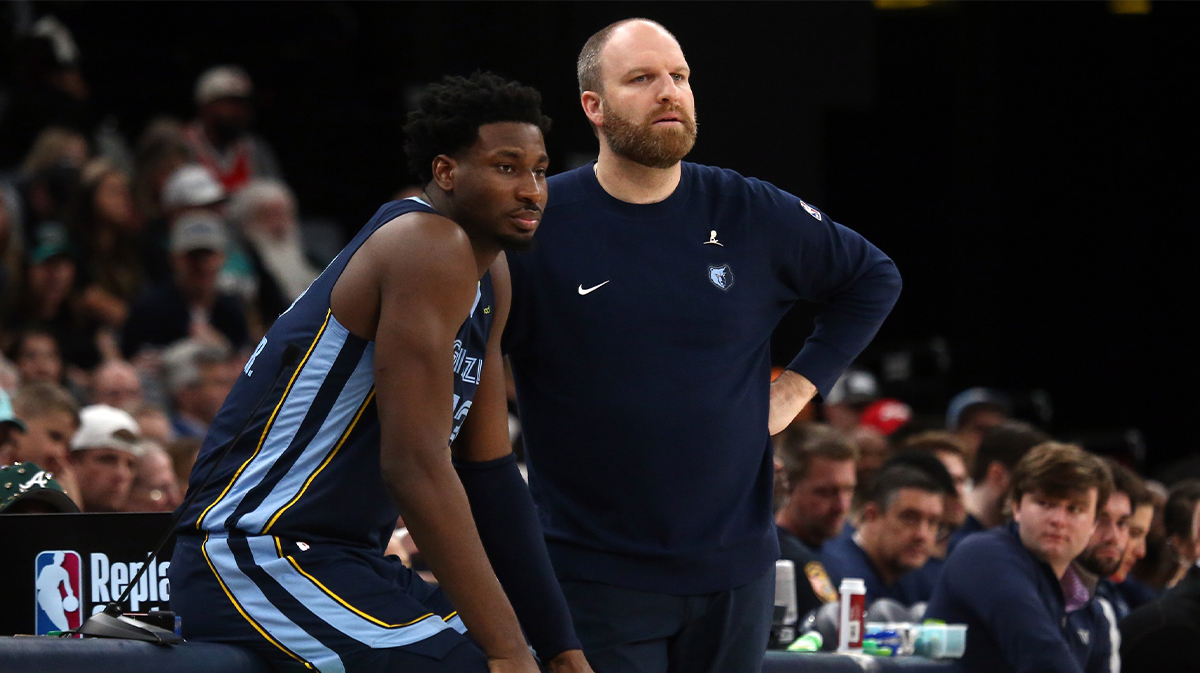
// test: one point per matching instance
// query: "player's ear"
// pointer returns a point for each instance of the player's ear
(444, 172)
(593, 107)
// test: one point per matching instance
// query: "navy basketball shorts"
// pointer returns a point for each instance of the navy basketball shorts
(313, 606)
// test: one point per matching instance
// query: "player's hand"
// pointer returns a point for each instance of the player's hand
(789, 393)
(571, 661)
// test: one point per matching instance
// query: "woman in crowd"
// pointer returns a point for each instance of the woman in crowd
(105, 226)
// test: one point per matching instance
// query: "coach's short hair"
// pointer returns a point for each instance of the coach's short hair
(1006, 443)
(587, 67)
(450, 112)
(1060, 470)
(892, 479)
(799, 446)
(37, 399)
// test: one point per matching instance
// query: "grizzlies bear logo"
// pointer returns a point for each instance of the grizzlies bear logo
(721, 276)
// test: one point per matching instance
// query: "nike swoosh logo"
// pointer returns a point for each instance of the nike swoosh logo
(591, 289)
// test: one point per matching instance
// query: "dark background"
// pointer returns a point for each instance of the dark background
(1031, 167)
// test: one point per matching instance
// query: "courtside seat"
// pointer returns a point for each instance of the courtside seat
(22, 654)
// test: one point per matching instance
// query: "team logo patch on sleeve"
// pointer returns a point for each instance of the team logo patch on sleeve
(822, 586)
(811, 211)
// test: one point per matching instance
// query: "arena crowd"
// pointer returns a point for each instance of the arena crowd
(136, 279)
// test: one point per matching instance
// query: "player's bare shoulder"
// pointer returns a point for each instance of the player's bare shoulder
(413, 253)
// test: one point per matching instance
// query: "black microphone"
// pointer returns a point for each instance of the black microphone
(111, 623)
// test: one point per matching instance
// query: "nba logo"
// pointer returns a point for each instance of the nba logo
(58, 605)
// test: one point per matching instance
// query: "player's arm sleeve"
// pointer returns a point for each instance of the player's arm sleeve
(1001, 590)
(502, 506)
(822, 261)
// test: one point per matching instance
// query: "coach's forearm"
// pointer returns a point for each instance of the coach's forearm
(435, 509)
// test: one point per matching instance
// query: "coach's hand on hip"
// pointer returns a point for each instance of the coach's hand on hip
(789, 393)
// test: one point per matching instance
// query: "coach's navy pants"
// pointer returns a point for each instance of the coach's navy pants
(628, 631)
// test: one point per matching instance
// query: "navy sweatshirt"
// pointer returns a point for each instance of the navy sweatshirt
(1015, 611)
(640, 337)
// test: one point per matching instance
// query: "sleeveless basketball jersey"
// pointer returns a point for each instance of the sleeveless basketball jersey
(307, 465)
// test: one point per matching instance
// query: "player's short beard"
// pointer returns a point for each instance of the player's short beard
(644, 143)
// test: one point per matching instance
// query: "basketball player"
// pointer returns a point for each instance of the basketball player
(640, 343)
(350, 404)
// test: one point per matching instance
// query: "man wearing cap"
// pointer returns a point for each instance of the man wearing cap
(104, 453)
(219, 137)
(26, 488)
(190, 305)
(850, 395)
(974, 410)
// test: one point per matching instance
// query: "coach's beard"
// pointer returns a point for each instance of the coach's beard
(647, 144)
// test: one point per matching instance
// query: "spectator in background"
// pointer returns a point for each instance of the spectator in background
(154, 423)
(183, 454)
(265, 215)
(50, 418)
(48, 89)
(56, 146)
(48, 177)
(851, 393)
(873, 453)
(1156, 637)
(9, 378)
(190, 305)
(105, 226)
(818, 468)
(887, 416)
(1000, 449)
(25, 488)
(11, 250)
(1014, 587)
(160, 151)
(104, 453)
(1134, 592)
(10, 426)
(51, 301)
(1180, 518)
(199, 377)
(189, 188)
(901, 513)
(948, 451)
(972, 412)
(116, 384)
(154, 487)
(220, 136)
(36, 354)
(1102, 559)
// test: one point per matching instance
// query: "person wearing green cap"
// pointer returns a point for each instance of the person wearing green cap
(26, 488)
